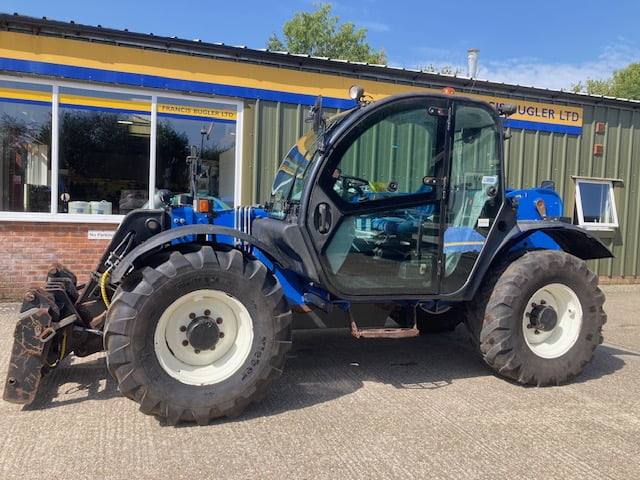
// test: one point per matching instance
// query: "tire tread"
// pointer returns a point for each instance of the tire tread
(499, 341)
(123, 312)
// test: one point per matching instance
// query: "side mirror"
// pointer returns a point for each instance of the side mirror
(315, 115)
(507, 109)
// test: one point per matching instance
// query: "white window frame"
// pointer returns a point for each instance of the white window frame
(611, 203)
(153, 95)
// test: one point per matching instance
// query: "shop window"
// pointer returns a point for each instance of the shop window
(210, 128)
(101, 155)
(104, 150)
(596, 204)
(25, 146)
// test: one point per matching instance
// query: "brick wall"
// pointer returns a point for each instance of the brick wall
(28, 249)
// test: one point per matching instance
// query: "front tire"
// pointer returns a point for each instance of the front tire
(543, 319)
(197, 335)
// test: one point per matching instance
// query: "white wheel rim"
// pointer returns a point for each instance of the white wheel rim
(203, 367)
(557, 341)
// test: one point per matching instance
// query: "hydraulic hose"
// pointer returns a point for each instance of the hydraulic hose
(103, 286)
(63, 348)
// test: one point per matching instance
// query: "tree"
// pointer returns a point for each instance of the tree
(625, 83)
(318, 34)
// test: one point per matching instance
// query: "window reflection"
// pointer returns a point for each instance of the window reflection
(25, 145)
(211, 127)
(104, 150)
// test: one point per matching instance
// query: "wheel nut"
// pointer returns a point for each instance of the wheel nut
(192, 316)
(183, 328)
(185, 343)
(196, 351)
(221, 335)
(219, 320)
(207, 313)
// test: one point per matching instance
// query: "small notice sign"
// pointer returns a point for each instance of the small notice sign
(100, 234)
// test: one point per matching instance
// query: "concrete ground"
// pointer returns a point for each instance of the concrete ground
(348, 409)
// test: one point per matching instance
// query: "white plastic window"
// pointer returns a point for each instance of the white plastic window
(596, 204)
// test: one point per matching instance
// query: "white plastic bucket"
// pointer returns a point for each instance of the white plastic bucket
(78, 207)
(101, 208)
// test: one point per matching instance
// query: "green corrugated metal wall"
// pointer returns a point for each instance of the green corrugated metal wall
(531, 157)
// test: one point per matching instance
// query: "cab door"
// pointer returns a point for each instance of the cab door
(375, 213)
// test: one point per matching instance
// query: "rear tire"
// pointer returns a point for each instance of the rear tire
(199, 336)
(543, 319)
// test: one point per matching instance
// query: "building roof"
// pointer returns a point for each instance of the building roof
(148, 41)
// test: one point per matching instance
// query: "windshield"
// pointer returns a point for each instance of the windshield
(290, 177)
(287, 185)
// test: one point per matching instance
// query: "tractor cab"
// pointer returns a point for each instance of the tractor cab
(393, 198)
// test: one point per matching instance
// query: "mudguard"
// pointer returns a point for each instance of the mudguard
(571, 238)
(192, 230)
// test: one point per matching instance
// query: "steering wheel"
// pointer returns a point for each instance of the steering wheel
(353, 186)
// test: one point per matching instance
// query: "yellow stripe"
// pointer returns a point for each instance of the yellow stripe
(462, 244)
(33, 95)
(135, 60)
(118, 104)
(539, 112)
(147, 62)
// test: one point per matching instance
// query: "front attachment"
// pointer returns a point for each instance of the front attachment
(32, 337)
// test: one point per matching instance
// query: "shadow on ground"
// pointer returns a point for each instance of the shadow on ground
(324, 365)
(75, 382)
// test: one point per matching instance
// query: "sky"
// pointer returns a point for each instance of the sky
(540, 43)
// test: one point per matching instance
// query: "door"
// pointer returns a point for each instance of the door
(475, 193)
(375, 213)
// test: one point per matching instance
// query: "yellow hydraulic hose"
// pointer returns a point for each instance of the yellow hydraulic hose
(63, 348)
(103, 286)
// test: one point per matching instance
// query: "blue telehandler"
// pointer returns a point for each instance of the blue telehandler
(399, 202)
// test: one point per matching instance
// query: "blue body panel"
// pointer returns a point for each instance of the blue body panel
(526, 200)
(294, 289)
(297, 289)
